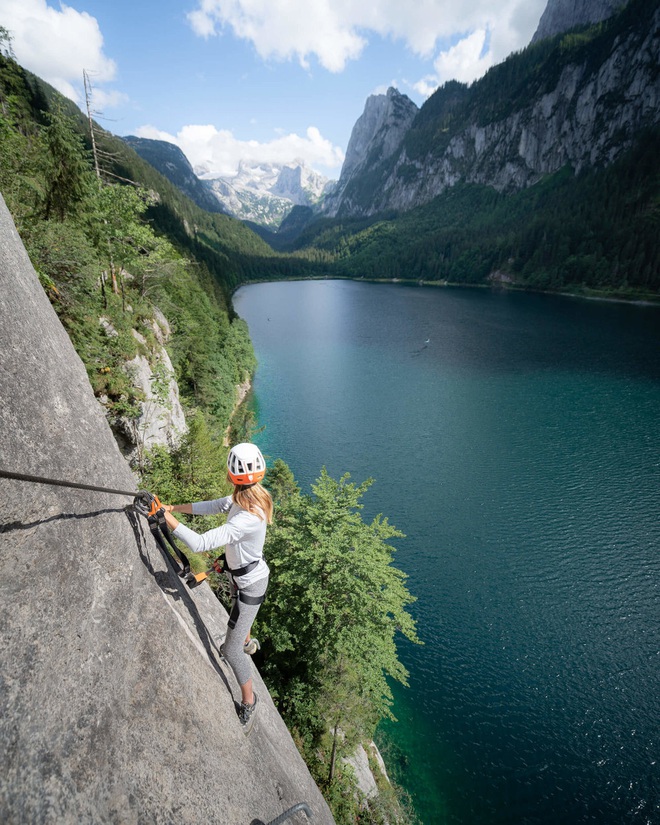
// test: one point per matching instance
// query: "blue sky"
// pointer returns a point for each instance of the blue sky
(260, 80)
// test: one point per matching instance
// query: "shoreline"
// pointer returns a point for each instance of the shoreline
(635, 299)
(242, 391)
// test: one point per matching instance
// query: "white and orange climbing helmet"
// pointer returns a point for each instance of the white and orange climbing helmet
(245, 464)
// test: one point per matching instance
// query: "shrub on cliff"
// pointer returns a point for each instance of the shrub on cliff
(335, 609)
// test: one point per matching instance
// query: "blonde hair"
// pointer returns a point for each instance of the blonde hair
(255, 499)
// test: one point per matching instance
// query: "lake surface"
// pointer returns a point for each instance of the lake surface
(514, 439)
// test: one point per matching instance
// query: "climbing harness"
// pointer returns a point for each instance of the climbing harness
(235, 610)
(237, 594)
(219, 565)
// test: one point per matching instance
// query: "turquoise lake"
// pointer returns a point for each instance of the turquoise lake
(514, 439)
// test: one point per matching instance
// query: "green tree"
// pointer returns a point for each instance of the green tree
(335, 609)
(195, 471)
(67, 166)
(281, 483)
(6, 49)
(129, 245)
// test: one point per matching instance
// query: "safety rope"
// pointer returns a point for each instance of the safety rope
(145, 503)
(59, 483)
(150, 507)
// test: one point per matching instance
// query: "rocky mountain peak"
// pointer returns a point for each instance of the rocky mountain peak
(377, 134)
(300, 184)
(562, 15)
(381, 126)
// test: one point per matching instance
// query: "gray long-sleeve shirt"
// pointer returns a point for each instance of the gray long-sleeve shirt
(242, 536)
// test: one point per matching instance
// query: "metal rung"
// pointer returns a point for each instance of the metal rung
(301, 806)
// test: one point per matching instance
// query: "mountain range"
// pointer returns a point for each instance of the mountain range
(259, 193)
(264, 193)
(525, 119)
(170, 161)
(543, 173)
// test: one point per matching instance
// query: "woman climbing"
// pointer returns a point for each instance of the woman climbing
(250, 509)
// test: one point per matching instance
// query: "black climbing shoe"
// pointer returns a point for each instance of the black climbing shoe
(246, 714)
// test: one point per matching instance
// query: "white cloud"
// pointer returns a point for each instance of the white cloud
(57, 44)
(217, 150)
(107, 98)
(465, 61)
(336, 31)
(283, 29)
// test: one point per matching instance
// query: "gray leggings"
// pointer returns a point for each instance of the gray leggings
(232, 648)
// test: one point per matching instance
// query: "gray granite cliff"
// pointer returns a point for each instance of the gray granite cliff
(376, 136)
(114, 705)
(561, 15)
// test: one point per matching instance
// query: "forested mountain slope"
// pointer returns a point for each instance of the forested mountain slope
(579, 100)
(597, 233)
(170, 161)
(108, 249)
(105, 267)
(543, 174)
(230, 250)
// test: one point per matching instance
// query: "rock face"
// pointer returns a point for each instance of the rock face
(248, 203)
(114, 706)
(162, 420)
(299, 184)
(376, 135)
(561, 15)
(364, 776)
(581, 113)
